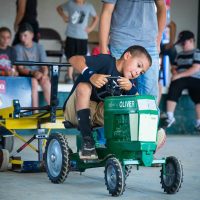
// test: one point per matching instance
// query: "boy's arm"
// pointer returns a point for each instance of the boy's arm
(104, 26)
(94, 22)
(24, 71)
(15, 71)
(173, 69)
(79, 63)
(62, 14)
(192, 70)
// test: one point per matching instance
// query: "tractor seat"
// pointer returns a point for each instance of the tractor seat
(68, 125)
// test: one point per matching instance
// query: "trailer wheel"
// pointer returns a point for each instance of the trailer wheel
(172, 175)
(114, 177)
(4, 159)
(57, 158)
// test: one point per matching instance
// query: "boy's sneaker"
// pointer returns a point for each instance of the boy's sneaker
(88, 151)
(168, 122)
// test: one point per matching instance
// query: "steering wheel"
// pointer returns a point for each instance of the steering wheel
(112, 88)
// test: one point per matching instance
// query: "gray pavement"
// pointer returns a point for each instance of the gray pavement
(143, 184)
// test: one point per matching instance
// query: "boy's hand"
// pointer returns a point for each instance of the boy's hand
(124, 83)
(88, 30)
(99, 80)
(37, 74)
(176, 76)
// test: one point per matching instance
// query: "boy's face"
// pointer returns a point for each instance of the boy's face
(187, 45)
(134, 66)
(5, 38)
(26, 38)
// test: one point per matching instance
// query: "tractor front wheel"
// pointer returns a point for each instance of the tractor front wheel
(57, 158)
(171, 175)
(114, 177)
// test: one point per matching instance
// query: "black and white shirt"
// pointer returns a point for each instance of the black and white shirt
(185, 60)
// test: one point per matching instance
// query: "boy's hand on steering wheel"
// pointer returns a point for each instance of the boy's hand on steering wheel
(124, 83)
(99, 80)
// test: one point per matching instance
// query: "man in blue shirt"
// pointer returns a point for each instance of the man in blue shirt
(134, 22)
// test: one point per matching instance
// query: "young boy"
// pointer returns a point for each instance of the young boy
(28, 50)
(77, 14)
(82, 101)
(186, 75)
(7, 54)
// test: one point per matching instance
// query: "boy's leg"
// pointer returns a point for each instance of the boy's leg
(46, 87)
(194, 92)
(34, 83)
(175, 91)
(83, 93)
(197, 109)
(70, 50)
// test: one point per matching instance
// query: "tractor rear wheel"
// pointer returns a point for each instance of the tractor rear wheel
(114, 177)
(171, 175)
(7, 143)
(4, 159)
(57, 158)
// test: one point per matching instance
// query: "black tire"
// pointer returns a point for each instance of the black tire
(172, 175)
(114, 177)
(1, 142)
(57, 158)
(8, 143)
(127, 170)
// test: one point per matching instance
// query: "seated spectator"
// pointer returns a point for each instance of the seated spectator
(7, 54)
(28, 50)
(186, 75)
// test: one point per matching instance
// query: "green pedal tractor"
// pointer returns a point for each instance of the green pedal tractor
(129, 138)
